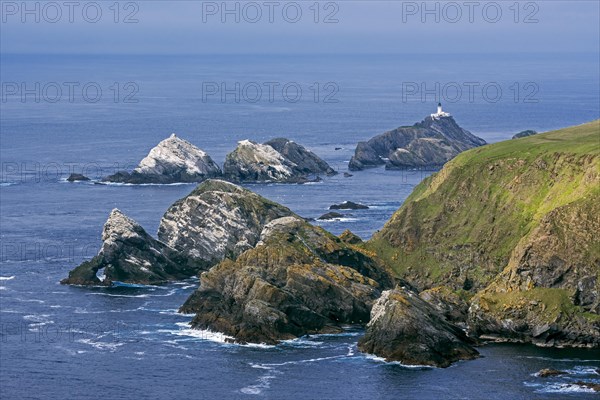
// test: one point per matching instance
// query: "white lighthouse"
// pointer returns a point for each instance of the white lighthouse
(440, 113)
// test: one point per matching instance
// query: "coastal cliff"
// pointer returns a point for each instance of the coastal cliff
(512, 228)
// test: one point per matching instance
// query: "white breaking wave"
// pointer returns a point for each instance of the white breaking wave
(382, 360)
(112, 347)
(7, 278)
(565, 388)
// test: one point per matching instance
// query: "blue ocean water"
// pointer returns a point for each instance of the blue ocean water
(123, 342)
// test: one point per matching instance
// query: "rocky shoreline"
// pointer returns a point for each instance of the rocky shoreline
(424, 294)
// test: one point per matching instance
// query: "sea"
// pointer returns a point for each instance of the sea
(95, 114)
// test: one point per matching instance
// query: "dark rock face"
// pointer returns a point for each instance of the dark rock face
(348, 205)
(217, 220)
(448, 303)
(77, 177)
(526, 133)
(331, 215)
(306, 161)
(299, 279)
(551, 278)
(279, 160)
(429, 143)
(173, 160)
(407, 329)
(130, 255)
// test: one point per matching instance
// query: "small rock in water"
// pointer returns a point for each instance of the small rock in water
(549, 372)
(331, 215)
(77, 177)
(348, 205)
(347, 175)
(338, 148)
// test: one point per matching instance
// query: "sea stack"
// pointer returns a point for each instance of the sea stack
(173, 160)
(278, 160)
(131, 255)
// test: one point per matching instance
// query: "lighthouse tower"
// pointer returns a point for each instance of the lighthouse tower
(440, 113)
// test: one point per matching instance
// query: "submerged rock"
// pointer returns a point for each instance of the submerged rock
(217, 220)
(427, 144)
(348, 205)
(589, 385)
(278, 160)
(130, 255)
(407, 329)
(546, 372)
(77, 177)
(299, 279)
(173, 160)
(331, 215)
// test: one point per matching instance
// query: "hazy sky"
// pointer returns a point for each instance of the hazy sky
(289, 27)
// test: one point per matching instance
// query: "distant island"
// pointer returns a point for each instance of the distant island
(427, 144)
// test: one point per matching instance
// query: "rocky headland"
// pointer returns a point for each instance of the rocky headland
(501, 243)
(510, 230)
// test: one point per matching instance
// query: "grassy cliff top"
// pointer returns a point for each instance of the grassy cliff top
(463, 222)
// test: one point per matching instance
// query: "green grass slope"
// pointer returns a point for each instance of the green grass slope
(459, 226)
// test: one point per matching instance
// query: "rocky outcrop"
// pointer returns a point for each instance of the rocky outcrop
(427, 144)
(217, 220)
(307, 162)
(526, 133)
(450, 304)
(348, 205)
(130, 255)
(279, 160)
(299, 279)
(349, 237)
(173, 160)
(513, 227)
(77, 178)
(405, 328)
